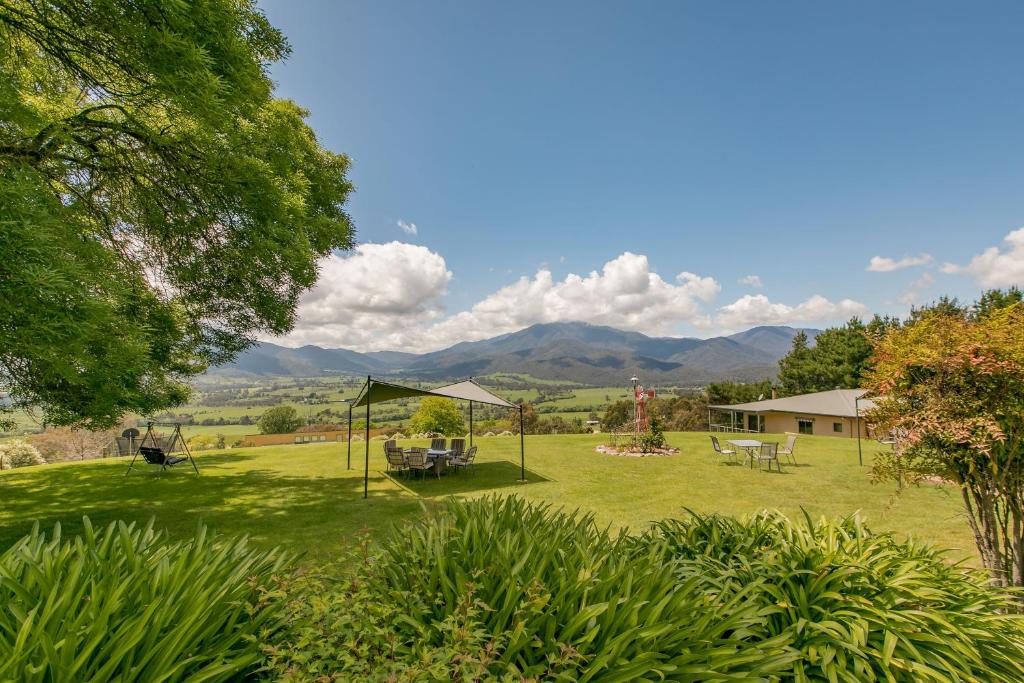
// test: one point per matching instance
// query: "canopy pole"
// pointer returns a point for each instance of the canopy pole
(366, 462)
(349, 465)
(522, 448)
(856, 409)
(470, 424)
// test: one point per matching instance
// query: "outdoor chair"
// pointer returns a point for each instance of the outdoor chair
(718, 449)
(465, 459)
(769, 452)
(156, 456)
(787, 450)
(458, 447)
(438, 444)
(396, 458)
(416, 460)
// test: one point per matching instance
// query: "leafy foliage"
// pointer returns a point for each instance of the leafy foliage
(14, 454)
(438, 415)
(724, 393)
(499, 589)
(857, 606)
(951, 384)
(654, 437)
(159, 207)
(839, 359)
(505, 590)
(279, 420)
(123, 603)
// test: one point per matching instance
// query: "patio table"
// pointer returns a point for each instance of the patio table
(439, 458)
(749, 446)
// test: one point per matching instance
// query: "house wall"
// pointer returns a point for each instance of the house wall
(778, 423)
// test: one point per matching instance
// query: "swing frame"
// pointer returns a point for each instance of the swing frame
(176, 438)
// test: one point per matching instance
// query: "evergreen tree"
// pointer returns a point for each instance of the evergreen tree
(796, 372)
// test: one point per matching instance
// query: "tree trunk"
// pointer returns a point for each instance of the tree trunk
(997, 521)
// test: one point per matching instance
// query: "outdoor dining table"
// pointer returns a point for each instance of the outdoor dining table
(749, 446)
(439, 457)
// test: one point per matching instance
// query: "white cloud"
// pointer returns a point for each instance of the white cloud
(408, 228)
(752, 281)
(388, 296)
(882, 264)
(995, 268)
(757, 309)
(371, 298)
(911, 293)
(624, 294)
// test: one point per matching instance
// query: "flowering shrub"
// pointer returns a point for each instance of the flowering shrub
(14, 454)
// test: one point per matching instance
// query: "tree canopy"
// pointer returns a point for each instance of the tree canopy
(159, 207)
(438, 416)
(950, 387)
(839, 359)
(279, 420)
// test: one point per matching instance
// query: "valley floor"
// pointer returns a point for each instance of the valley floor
(304, 498)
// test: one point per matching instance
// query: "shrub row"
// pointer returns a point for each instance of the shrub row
(498, 589)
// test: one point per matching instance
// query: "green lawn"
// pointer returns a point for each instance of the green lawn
(303, 497)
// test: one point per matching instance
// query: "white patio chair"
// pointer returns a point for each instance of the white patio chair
(787, 450)
(722, 451)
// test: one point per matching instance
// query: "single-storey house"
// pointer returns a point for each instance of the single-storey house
(826, 413)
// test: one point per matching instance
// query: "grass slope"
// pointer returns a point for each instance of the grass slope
(304, 498)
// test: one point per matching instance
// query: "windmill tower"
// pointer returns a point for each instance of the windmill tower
(641, 397)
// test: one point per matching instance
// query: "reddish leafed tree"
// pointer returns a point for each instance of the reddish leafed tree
(951, 389)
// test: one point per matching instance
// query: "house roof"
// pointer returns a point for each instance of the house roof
(838, 402)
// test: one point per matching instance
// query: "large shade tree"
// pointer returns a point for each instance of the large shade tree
(159, 208)
(950, 386)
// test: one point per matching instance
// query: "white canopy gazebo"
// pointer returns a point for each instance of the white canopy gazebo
(376, 391)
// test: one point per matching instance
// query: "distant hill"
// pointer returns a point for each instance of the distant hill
(573, 351)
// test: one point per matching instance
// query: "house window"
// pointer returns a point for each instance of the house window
(805, 426)
(755, 423)
(837, 427)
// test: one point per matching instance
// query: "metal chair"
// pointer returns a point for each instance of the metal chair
(465, 460)
(458, 446)
(787, 450)
(769, 452)
(438, 444)
(718, 449)
(417, 461)
(395, 457)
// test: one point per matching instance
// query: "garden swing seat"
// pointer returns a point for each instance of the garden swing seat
(156, 456)
(161, 455)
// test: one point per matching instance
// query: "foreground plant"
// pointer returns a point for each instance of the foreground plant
(122, 603)
(501, 589)
(857, 606)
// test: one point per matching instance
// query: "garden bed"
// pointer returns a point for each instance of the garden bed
(635, 451)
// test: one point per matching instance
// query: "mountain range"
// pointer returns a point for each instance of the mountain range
(571, 351)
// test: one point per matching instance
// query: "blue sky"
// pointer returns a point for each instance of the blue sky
(532, 143)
